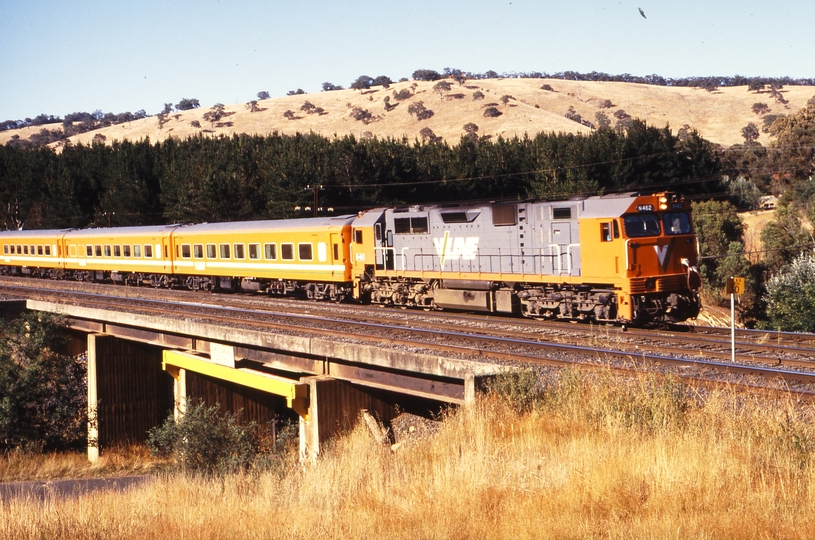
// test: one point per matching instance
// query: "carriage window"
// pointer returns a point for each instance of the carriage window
(117, 250)
(25, 250)
(304, 252)
(239, 251)
(47, 251)
(148, 251)
(136, 250)
(270, 251)
(33, 252)
(185, 251)
(358, 236)
(616, 228)
(605, 232)
(287, 252)
(224, 251)
(39, 250)
(89, 250)
(637, 225)
(198, 251)
(72, 250)
(676, 223)
(211, 251)
(126, 250)
(254, 251)
(5, 249)
(107, 250)
(336, 252)
(97, 250)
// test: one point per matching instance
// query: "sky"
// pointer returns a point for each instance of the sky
(59, 57)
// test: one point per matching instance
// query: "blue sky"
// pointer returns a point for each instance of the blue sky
(58, 57)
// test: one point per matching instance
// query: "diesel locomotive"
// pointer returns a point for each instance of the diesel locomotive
(623, 258)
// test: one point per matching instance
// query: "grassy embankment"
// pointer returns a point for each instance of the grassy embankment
(592, 458)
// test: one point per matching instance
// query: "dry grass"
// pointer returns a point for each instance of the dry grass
(718, 116)
(16, 466)
(594, 459)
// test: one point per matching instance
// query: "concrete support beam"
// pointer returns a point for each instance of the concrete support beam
(335, 406)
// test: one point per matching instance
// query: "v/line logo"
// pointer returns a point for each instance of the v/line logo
(455, 248)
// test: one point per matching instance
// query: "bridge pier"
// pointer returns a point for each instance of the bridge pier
(128, 392)
(334, 406)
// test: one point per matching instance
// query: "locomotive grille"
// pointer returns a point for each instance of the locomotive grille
(661, 284)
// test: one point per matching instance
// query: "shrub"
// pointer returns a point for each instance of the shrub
(205, 441)
(402, 94)
(492, 112)
(43, 393)
(521, 389)
(478, 94)
(547, 87)
(362, 115)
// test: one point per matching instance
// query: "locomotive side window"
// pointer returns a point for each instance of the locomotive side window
(185, 251)
(304, 252)
(117, 250)
(605, 232)
(357, 236)
(287, 252)
(240, 251)
(562, 213)
(198, 251)
(414, 225)
(637, 225)
(676, 223)
(270, 251)
(211, 251)
(224, 248)
(126, 250)
(148, 251)
(254, 251)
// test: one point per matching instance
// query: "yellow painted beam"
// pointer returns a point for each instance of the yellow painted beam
(295, 392)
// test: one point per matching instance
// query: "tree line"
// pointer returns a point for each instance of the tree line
(259, 177)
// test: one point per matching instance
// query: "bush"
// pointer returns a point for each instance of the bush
(478, 94)
(521, 389)
(402, 94)
(791, 296)
(492, 112)
(205, 441)
(43, 393)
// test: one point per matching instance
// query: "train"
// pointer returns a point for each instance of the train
(623, 258)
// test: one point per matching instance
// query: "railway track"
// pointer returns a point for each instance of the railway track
(511, 341)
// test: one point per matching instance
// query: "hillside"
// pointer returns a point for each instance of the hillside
(718, 116)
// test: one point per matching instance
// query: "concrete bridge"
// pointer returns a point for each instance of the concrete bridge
(142, 367)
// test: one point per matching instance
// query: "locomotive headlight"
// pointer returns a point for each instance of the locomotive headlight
(663, 206)
(663, 202)
(663, 199)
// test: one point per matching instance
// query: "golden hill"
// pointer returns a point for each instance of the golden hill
(719, 116)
